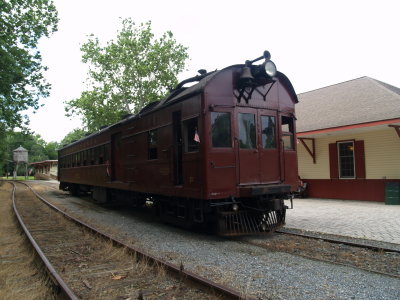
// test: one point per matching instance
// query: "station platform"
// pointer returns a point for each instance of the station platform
(367, 220)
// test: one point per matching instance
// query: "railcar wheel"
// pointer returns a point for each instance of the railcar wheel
(74, 189)
(177, 212)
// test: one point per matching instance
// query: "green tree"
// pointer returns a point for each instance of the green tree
(22, 24)
(38, 149)
(74, 135)
(50, 149)
(126, 74)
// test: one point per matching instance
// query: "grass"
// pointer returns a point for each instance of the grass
(21, 274)
(18, 178)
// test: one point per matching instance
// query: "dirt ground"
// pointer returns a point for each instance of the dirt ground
(21, 275)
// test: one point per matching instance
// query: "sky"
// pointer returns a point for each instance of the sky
(315, 43)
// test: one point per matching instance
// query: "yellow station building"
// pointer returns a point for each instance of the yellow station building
(349, 140)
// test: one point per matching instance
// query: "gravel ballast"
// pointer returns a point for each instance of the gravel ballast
(247, 268)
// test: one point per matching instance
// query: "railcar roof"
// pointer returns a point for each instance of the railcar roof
(180, 94)
(173, 97)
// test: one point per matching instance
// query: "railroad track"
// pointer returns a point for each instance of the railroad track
(356, 242)
(335, 250)
(88, 264)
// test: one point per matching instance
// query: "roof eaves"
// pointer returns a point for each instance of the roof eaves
(387, 87)
(332, 85)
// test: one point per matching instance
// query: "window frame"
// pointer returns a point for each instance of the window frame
(189, 147)
(252, 135)
(275, 146)
(230, 114)
(339, 159)
(152, 145)
(290, 133)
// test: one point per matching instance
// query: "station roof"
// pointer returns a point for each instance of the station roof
(358, 101)
(45, 162)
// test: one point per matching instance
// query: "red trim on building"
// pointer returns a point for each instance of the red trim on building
(326, 130)
(348, 189)
(359, 159)
(333, 161)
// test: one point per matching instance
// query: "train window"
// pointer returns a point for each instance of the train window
(101, 154)
(221, 129)
(152, 144)
(287, 133)
(268, 132)
(107, 151)
(94, 155)
(84, 157)
(190, 135)
(247, 131)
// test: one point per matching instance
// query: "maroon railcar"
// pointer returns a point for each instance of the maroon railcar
(219, 152)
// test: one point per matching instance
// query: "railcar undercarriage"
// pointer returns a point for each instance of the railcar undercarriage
(227, 217)
(256, 215)
(250, 222)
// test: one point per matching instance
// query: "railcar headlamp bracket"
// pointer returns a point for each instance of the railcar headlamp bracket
(253, 76)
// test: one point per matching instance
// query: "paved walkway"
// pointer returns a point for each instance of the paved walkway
(359, 219)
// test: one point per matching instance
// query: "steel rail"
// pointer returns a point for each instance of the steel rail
(330, 261)
(140, 253)
(64, 292)
(343, 240)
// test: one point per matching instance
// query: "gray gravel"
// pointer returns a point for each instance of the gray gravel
(250, 269)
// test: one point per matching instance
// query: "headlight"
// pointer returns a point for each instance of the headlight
(270, 68)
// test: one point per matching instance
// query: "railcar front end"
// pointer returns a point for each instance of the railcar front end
(251, 161)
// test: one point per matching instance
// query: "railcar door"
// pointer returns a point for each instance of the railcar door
(116, 154)
(258, 147)
(247, 146)
(177, 145)
(268, 147)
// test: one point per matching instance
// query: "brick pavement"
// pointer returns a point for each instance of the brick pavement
(359, 219)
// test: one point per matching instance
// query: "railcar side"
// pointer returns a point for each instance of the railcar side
(220, 152)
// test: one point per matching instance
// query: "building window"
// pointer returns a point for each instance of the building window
(247, 131)
(346, 159)
(152, 144)
(191, 135)
(221, 130)
(287, 129)
(268, 132)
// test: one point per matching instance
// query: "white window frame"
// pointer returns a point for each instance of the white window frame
(354, 162)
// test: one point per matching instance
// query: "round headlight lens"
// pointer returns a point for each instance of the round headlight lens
(270, 68)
